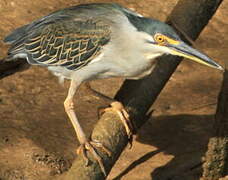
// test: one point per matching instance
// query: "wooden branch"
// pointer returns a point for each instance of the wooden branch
(216, 165)
(138, 96)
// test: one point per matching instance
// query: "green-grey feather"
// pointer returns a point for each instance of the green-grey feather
(71, 37)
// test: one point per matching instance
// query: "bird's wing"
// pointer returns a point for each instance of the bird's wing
(68, 42)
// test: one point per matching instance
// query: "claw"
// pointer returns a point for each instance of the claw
(90, 146)
(99, 145)
(124, 116)
(100, 111)
(81, 150)
(117, 107)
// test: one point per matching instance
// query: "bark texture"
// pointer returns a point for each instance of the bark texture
(138, 96)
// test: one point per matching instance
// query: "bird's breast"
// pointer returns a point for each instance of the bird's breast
(139, 68)
(141, 74)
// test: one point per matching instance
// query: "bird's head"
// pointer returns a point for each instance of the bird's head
(164, 40)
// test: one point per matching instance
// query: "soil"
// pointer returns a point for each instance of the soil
(37, 141)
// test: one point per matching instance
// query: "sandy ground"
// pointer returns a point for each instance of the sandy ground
(37, 140)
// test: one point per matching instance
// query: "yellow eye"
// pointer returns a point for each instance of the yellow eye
(160, 39)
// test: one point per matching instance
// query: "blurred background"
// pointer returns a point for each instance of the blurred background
(37, 140)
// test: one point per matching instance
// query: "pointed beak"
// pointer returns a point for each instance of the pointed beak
(184, 50)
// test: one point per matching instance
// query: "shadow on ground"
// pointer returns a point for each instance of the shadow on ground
(185, 137)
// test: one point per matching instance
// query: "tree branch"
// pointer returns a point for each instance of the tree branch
(138, 96)
(216, 165)
(8, 68)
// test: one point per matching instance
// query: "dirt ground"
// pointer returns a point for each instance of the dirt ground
(37, 141)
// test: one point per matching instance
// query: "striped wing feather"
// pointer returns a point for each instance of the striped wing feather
(68, 43)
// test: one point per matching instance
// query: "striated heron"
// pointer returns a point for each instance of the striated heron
(93, 41)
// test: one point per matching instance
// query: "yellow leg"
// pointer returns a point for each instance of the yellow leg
(86, 145)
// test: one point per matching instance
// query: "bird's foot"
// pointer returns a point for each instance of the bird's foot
(90, 146)
(124, 116)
